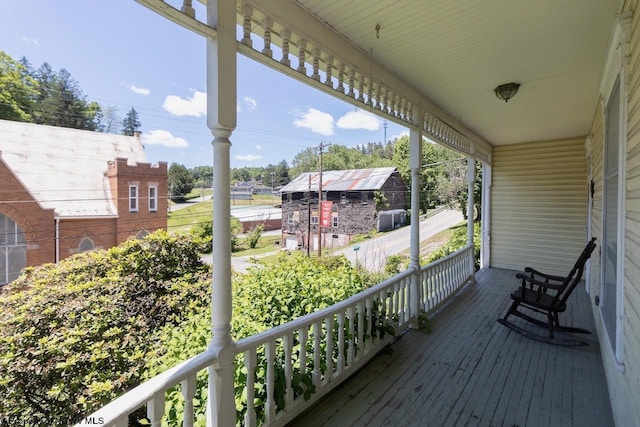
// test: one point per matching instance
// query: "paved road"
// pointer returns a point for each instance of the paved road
(373, 253)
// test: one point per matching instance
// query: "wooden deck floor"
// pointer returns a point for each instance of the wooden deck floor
(473, 371)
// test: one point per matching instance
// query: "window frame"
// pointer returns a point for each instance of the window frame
(153, 199)
(134, 199)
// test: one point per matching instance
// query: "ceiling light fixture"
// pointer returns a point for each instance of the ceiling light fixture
(506, 91)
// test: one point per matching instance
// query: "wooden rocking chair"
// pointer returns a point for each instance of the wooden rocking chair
(547, 294)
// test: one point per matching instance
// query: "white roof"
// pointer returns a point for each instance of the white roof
(64, 169)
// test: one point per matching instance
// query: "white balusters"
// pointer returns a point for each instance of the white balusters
(316, 354)
(250, 366)
(316, 64)
(328, 70)
(351, 93)
(246, 25)
(267, 23)
(302, 45)
(328, 323)
(188, 388)
(287, 343)
(286, 34)
(341, 337)
(270, 404)
(340, 87)
(187, 8)
(155, 409)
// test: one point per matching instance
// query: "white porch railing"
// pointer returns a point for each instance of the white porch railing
(286, 369)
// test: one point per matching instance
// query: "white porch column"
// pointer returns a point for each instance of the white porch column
(485, 250)
(415, 164)
(221, 119)
(471, 180)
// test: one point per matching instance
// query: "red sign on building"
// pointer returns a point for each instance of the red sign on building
(325, 214)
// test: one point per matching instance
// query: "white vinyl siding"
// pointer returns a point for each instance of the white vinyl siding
(624, 387)
(539, 205)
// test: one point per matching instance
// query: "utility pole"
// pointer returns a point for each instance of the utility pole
(320, 148)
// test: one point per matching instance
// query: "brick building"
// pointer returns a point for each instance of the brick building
(64, 191)
(362, 200)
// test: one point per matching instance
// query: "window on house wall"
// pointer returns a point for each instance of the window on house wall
(611, 201)
(290, 218)
(133, 198)
(314, 219)
(334, 219)
(13, 250)
(153, 199)
(86, 244)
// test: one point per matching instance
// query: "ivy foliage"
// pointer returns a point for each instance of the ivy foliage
(263, 298)
(75, 335)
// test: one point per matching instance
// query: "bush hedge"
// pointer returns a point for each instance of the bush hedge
(75, 335)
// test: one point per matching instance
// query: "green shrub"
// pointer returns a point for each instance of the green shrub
(253, 235)
(75, 335)
(263, 298)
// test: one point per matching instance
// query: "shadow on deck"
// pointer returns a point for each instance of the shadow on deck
(473, 371)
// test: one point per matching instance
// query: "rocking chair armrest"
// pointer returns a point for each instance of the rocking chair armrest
(528, 280)
(546, 276)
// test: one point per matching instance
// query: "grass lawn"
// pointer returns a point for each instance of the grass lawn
(200, 212)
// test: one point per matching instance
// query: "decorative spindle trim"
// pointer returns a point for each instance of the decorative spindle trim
(316, 64)
(302, 45)
(286, 35)
(187, 9)
(340, 87)
(361, 89)
(246, 25)
(267, 23)
(351, 78)
(328, 69)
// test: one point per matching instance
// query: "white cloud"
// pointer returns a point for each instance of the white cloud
(163, 138)
(248, 157)
(250, 103)
(139, 90)
(359, 120)
(196, 106)
(316, 121)
(259, 147)
(30, 40)
(246, 104)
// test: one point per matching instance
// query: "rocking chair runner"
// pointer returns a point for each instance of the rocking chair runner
(547, 294)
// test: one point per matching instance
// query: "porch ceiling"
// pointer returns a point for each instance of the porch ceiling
(457, 51)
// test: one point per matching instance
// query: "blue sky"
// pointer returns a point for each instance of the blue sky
(124, 55)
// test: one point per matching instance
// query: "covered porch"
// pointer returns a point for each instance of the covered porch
(541, 199)
(470, 370)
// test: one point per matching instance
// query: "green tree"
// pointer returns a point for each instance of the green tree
(131, 123)
(61, 102)
(180, 182)
(111, 123)
(17, 90)
(202, 176)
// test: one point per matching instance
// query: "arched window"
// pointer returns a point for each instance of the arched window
(142, 234)
(13, 250)
(86, 245)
